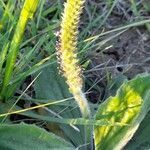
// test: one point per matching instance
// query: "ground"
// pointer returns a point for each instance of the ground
(126, 52)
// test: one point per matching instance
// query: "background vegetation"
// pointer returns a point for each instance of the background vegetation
(114, 46)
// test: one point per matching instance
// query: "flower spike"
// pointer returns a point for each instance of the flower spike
(67, 52)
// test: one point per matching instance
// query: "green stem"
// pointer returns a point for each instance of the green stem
(85, 111)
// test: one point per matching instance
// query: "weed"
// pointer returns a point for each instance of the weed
(109, 40)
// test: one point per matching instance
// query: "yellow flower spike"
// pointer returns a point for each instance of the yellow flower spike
(67, 52)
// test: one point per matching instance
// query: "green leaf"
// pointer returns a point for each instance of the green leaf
(31, 137)
(116, 82)
(51, 85)
(129, 106)
(141, 139)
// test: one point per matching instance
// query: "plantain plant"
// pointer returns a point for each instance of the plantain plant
(113, 124)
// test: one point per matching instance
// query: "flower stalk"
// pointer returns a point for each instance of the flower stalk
(67, 53)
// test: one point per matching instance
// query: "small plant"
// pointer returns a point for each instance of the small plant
(110, 127)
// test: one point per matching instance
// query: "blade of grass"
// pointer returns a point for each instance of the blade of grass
(15, 82)
(76, 121)
(40, 13)
(134, 24)
(37, 67)
(20, 96)
(8, 9)
(5, 48)
(28, 55)
(27, 13)
(103, 19)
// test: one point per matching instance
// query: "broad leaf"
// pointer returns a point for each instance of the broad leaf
(30, 137)
(129, 107)
(50, 85)
(141, 139)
